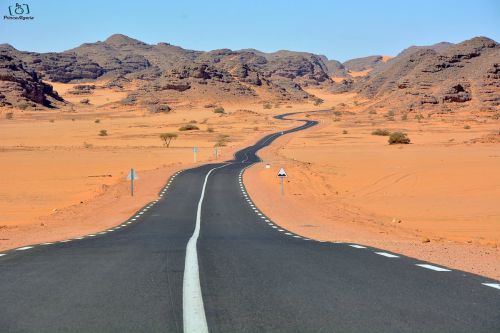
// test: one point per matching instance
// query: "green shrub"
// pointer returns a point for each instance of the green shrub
(219, 110)
(398, 138)
(189, 127)
(103, 132)
(381, 132)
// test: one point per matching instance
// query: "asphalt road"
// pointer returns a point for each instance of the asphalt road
(204, 258)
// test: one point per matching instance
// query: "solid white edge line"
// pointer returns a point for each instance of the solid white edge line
(492, 285)
(194, 318)
(434, 268)
(357, 246)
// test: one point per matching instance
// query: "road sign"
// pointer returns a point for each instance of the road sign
(132, 175)
(282, 173)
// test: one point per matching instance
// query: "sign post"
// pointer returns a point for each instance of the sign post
(132, 175)
(195, 151)
(282, 174)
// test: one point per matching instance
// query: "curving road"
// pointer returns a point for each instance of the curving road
(204, 258)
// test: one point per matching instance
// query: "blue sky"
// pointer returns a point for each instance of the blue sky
(338, 29)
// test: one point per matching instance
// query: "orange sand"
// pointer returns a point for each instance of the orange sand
(436, 199)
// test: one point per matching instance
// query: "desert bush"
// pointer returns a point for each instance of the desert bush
(404, 116)
(345, 132)
(337, 113)
(398, 138)
(97, 121)
(390, 113)
(9, 115)
(162, 108)
(87, 145)
(267, 106)
(219, 110)
(85, 101)
(167, 138)
(103, 132)
(51, 120)
(210, 130)
(193, 122)
(381, 132)
(467, 127)
(256, 128)
(189, 127)
(23, 106)
(419, 117)
(372, 111)
(318, 101)
(222, 140)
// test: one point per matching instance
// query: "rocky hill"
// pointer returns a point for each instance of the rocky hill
(437, 76)
(22, 87)
(463, 75)
(164, 70)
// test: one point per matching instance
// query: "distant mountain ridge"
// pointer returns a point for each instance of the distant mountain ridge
(418, 76)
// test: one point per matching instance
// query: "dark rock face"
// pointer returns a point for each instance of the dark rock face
(362, 64)
(458, 74)
(20, 86)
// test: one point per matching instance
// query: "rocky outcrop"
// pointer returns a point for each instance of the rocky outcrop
(22, 87)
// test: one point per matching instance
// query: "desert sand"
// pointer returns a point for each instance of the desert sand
(435, 199)
(61, 179)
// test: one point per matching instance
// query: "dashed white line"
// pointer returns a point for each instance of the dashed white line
(65, 241)
(388, 255)
(357, 246)
(47, 243)
(2, 254)
(24, 248)
(492, 285)
(434, 268)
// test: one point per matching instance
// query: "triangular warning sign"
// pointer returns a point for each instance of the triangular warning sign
(282, 173)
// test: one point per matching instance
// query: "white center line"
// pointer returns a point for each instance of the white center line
(434, 268)
(388, 255)
(194, 318)
(492, 285)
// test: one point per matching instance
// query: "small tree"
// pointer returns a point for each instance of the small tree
(167, 138)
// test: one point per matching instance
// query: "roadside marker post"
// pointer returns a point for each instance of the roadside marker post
(195, 151)
(132, 175)
(216, 153)
(282, 174)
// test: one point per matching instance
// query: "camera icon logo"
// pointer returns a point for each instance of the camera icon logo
(19, 9)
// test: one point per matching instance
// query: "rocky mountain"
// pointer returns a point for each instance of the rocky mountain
(465, 74)
(22, 87)
(164, 69)
(363, 64)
